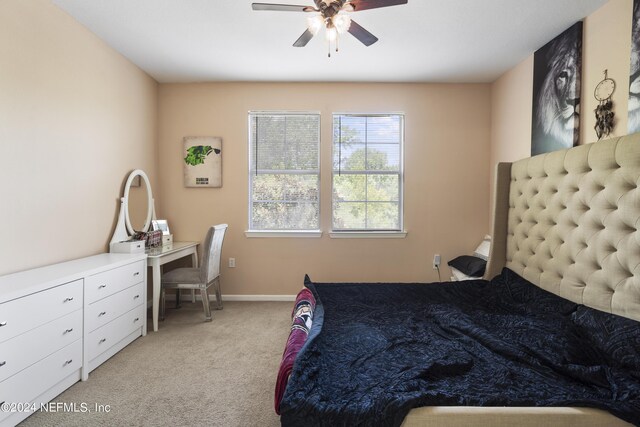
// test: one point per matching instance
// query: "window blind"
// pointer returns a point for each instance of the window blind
(284, 181)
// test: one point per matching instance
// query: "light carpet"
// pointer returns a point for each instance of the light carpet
(190, 372)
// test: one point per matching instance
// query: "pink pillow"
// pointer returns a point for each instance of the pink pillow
(301, 319)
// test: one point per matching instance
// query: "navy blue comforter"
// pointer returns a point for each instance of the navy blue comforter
(377, 350)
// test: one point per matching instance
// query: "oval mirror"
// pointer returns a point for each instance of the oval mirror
(139, 202)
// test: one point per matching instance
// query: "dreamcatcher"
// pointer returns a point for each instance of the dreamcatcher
(604, 110)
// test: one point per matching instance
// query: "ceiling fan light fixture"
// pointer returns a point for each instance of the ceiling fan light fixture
(341, 22)
(348, 7)
(315, 23)
(332, 34)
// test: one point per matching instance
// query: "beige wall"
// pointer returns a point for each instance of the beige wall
(75, 118)
(606, 45)
(511, 103)
(446, 171)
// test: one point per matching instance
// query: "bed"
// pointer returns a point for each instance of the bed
(565, 245)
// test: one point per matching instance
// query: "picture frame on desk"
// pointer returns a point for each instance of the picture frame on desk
(162, 225)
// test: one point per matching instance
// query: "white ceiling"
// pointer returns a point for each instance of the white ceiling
(422, 41)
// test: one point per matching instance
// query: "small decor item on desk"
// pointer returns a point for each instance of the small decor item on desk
(154, 239)
(138, 235)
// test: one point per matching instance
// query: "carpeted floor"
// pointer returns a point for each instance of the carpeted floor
(189, 372)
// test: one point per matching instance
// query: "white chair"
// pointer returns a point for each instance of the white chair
(208, 274)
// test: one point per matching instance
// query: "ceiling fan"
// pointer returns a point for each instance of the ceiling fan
(334, 16)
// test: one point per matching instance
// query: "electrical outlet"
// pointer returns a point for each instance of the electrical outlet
(232, 262)
(436, 261)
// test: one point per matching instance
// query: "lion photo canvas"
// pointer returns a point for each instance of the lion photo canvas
(202, 161)
(556, 92)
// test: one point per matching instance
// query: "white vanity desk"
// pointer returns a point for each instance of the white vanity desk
(158, 256)
(162, 255)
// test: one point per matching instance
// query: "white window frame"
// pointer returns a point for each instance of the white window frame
(258, 233)
(372, 233)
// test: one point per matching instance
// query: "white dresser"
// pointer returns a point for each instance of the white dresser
(115, 311)
(58, 323)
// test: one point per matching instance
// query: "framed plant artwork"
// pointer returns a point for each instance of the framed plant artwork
(202, 160)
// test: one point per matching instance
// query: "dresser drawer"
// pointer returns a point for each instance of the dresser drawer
(28, 348)
(33, 381)
(26, 313)
(105, 337)
(108, 283)
(102, 312)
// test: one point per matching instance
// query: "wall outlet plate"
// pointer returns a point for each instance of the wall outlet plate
(232, 262)
(436, 261)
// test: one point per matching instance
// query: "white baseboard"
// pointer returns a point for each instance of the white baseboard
(259, 297)
(186, 296)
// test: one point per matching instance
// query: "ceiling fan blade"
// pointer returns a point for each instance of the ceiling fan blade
(361, 34)
(304, 39)
(373, 4)
(282, 7)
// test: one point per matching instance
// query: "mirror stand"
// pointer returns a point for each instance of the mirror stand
(120, 241)
(120, 234)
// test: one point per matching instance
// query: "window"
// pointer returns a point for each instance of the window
(284, 172)
(367, 172)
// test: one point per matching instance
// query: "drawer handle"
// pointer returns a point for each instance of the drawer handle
(136, 319)
(3, 324)
(102, 313)
(68, 362)
(4, 362)
(102, 286)
(68, 330)
(68, 299)
(137, 273)
(102, 340)
(136, 297)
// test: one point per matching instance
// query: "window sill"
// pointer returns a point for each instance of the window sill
(368, 234)
(283, 233)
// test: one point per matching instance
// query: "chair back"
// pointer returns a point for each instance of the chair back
(210, 265)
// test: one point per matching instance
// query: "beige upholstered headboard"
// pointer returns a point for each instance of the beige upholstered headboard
(568, 222)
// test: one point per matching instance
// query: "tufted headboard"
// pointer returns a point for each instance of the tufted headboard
(568, 222)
